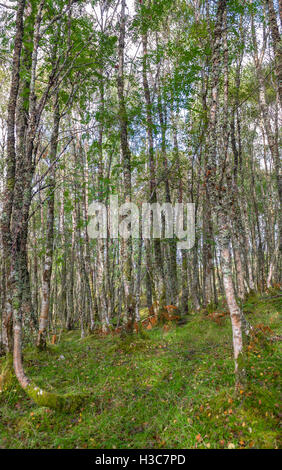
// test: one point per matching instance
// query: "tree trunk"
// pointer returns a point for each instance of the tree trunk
(126, 248)
(48, 259)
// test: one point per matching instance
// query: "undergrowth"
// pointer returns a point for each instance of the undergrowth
(161, 389)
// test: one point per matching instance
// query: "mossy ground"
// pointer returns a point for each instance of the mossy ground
(170, 389)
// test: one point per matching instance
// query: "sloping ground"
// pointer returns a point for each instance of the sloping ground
(170, 389)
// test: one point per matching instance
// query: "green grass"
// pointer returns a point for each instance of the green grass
(158, 390)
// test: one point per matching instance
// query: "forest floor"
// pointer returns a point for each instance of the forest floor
(161, 389)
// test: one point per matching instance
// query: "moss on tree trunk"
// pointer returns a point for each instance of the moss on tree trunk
(67, 402)
(7, 373)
